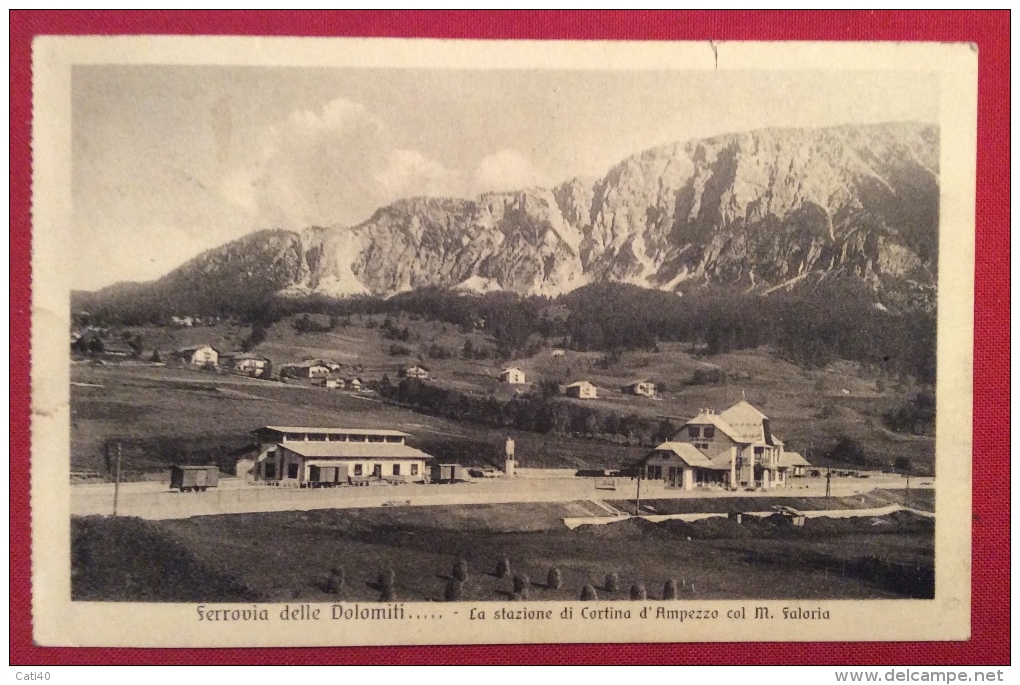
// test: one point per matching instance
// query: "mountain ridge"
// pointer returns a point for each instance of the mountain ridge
(756, 210)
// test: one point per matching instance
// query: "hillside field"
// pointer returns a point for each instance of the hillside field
(165, 414)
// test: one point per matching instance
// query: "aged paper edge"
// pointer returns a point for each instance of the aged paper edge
(59, 622)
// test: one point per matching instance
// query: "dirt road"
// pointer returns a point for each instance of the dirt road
(234, 496)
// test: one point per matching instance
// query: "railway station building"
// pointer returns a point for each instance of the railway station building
(734, 448)
(300, 456)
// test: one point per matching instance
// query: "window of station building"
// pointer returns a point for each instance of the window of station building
(293, 436)
(376, 438)
(319, 437)
(709, 432)
(393, 438)
(396, 469)
(292, 470)
(655, 473)
(694, 431)
(414, 469)
(269, 470)
(358, 469)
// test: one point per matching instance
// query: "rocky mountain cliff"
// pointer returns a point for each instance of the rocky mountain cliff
(757, 211)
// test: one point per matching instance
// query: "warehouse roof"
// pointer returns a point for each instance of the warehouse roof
(335, 431)
(355, 450)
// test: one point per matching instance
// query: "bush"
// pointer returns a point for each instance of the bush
(588, 593)
(637, 591)
(847, 451)
(460, 570)
(388, 595)
(336, 581)
(554, 581)
(612, 583)
(387, 579)
(670, 591)
(454, 591)
(503, 568)
(521, 583)
(521, 596)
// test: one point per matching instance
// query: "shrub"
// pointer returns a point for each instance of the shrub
(454, 591)
(336, 581)
(460, 570)
(554, 581)
(386, 579)
(637, 591)
(521, 583)
(388, 595)
(503, 568)
(588, 593)
(670, 591)
(612, 583)
(521, 596)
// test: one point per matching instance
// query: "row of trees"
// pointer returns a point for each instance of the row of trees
(536, 412)
(810, 326)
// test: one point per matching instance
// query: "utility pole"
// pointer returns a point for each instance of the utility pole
(906, 495)
(116, 481)
(637, 501)
(828, 486)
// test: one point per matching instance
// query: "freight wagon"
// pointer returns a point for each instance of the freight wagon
(193, 478)
(449, 473)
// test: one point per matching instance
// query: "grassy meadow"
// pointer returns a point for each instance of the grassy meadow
(287, 556)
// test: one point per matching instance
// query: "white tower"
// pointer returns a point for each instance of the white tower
(510, 463)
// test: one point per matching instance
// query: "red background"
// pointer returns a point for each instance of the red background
(990, 30)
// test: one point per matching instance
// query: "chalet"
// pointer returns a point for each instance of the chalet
(118, 348)
(317, 457)
(329, 383)
(419, 372)
(353, 384)
(512, 375)
(582, 390)
(558, 353)
(198, 354)
(641, 388)
(312, 368)
(247, 363)
(734, 448)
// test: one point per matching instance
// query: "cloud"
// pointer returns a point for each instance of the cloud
(409, 173)
(338, 163)
(335, 164)
(506, 170)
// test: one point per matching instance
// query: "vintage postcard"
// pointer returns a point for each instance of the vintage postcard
(389, 342)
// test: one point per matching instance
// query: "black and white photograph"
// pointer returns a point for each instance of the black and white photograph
(397, 342)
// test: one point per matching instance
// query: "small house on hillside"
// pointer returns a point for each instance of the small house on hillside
(313, 368)
(329, 383)
(419, 372)
(248, 363)
(512, 375)
(558, 353)
(118, 348)
(353, 384)
(583, 390)
(641, 388)
(199, 354)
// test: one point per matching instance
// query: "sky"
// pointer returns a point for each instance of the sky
(170, 161)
